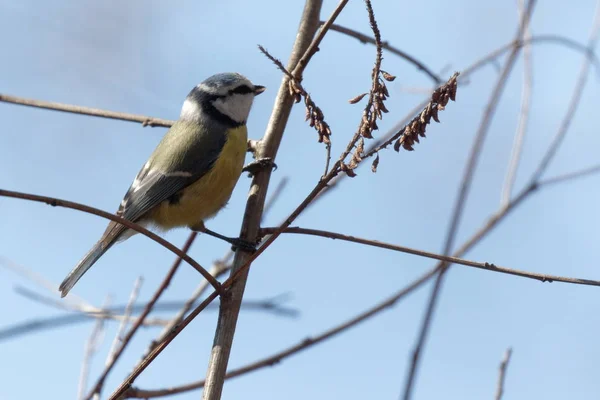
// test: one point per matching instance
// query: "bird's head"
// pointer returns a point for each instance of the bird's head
(226, 98)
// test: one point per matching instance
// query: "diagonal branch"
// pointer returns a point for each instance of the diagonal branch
(94, 112)
(448, 259)
(462, 197)
(394, 50)
(55, 202)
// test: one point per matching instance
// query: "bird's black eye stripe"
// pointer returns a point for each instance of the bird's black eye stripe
(243, 89)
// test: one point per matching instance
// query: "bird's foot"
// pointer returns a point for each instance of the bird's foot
(258, 165)
(236, 243)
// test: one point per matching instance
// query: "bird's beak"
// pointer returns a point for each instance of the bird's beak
(259, 89)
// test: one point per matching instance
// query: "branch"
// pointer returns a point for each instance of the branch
(94, 112)
(300, 346)
(574, 103)
(502, 373)
(570, 176)
(127, 339)
(230, 305)
(448, 259)
(91, 347)
(515, 158)
(462, 197)
(55, 202)
(394, 50)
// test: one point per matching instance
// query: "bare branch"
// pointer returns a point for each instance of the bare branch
(502, 373)
(462, 197)
(300, 346)
(91, 347)
(570, 176)
(55, 202)
(385, 45)
(573, 104)
(449, 259)
(515, 158)
(119, 336)
(94, 112)
(127, 339)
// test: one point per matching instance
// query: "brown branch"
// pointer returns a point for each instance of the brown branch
(462, 197)
(300, 346)
(502, 374)
(301, 64)
(448, 259)
(55, 202)
(127, 339)
(94, 112)
(304, 48)
(386, 46)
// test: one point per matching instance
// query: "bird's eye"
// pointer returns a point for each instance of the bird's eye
(243, 89)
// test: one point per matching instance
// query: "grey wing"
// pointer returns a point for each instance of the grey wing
(189, 161)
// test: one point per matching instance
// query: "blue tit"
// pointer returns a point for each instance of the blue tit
(192, 172)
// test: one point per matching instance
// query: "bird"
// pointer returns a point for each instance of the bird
(191, 174)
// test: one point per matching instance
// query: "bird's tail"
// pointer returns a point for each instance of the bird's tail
(81, 268)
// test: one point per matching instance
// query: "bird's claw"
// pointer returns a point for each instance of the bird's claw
(257, 165)
(244, 245)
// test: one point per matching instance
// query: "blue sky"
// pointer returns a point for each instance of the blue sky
(144, 56)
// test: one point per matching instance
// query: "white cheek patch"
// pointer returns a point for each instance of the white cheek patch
(236, 106)
(190, 110)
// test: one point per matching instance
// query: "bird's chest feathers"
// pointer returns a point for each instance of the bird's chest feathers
(209, 194)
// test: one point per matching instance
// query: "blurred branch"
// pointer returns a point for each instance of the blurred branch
(574, 103)
(94, 112)
(515, 158)
(271, 305)
(502, 373)
(462, 197)
(570, 176)
(54, 202)
(91, 347)
(127, 339)
(394, 50)
(119, 336)
(71, 302)
(449, 259)
(300, 346)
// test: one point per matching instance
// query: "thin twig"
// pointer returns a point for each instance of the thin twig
(300, 346)
(502, 373)
(570, 176)
(55, 202)
(449, 259)
(394, 50)
(94, 112)
(71, 302)
(574, 103)
(301, 64)
(515, 157)
(127, 339)
(91, 347)
(119, 336)
(461, 200)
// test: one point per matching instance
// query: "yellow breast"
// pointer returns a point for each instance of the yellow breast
(204, 198)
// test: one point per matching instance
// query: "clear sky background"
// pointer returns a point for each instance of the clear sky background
(144, 56)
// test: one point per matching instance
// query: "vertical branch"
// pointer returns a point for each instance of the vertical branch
(502, 373)
(267, 147)
(574, 104)
(515, 157)
(462, 197)
(91, 346)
